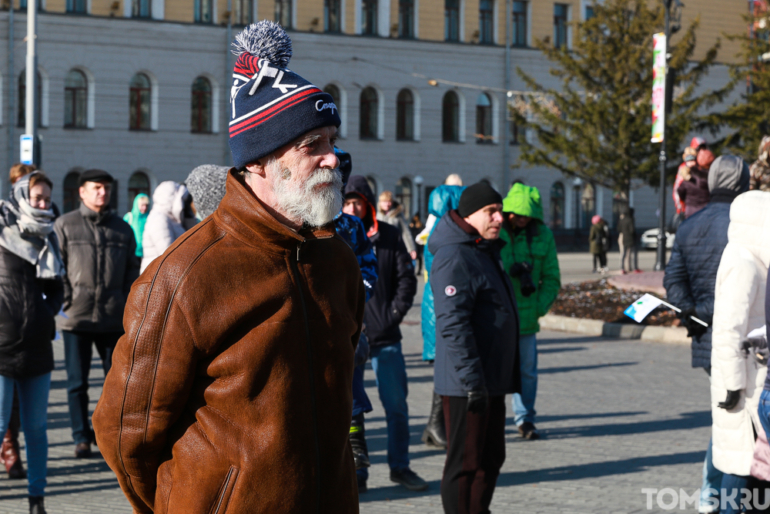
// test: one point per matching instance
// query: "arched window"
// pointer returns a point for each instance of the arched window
(334, 92)
(486, 22)
(369, 108)
(405, 115)
(588, 205)
(75, 100)
(450, 117)
(138, 183)
(71, 191)
(22, 96)
(204, 11)
(201, 106)
(369, 17)
(484, 119)
(283, 14)
(404, 195)
(140, 94)
(557, 205)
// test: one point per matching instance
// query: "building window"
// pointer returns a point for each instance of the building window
(22, 95)
(484, 119)
(137, 184)
(75, 100)
(589, 12)
(520, 24)
(587, 205)
(405, 116)
(404, 195)
(77, 6)
(450, 117)
(204, 11)
(201, 106)
(369, 108)
(140, 8)
(557, 205)
(486, 22)
(71, 190)
(283, 14)
(452, 20)
(369, 17)
(514, 128)
(244, 12)
(560, 28)
(334, 92)
(406, 19)
(139, 102)
(332, 16)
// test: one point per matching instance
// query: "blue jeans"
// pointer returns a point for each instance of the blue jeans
(390, 371)
(712, 482)
(33, 408)
(524, 403)
(361, 403)
(77, 360)
(731, 489)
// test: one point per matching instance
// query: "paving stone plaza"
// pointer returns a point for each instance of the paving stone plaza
(616, 417)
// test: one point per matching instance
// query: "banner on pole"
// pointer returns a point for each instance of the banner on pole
(642, 307)
(658, 86)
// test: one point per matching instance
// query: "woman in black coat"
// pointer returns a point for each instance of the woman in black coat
(31, 293)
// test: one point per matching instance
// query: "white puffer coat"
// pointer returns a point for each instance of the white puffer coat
(166, 221)
(739, 307)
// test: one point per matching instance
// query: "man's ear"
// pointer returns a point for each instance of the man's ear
(257, 168)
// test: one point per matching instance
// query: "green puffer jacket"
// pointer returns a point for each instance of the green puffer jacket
(539, 249)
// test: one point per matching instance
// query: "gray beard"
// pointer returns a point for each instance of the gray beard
(301, 203)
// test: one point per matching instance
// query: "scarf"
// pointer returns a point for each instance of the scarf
(27, 232)
(137, 221)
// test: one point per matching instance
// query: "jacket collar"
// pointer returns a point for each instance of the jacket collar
(95, 217)
(246, 217)
(473, 235)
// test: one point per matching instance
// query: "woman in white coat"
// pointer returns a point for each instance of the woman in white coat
(171, 215)
(739, 307)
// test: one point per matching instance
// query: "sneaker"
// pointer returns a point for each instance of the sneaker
(527, 430)
(83, 451)
(361, 459)
(361, 485)
(624, 272)
(36, 505)
(638, 271)
(408, 479)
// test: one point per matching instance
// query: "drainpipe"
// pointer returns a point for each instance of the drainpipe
(31, 93)
(507, 87)
(11, 95)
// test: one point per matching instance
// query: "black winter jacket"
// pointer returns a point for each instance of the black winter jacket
(396, 283)
(477, 322)
(26, 318)
(691, 272)
(99, 252)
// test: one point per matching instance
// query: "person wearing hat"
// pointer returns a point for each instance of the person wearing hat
(477, 346)
(691, 275)
(694, 190)
(98, 249)
(232, 388)
(530, 259)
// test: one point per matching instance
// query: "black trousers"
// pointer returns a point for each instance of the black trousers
(601, 258)
(475, 454)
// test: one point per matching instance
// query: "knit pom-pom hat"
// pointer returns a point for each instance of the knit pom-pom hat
(270, 105)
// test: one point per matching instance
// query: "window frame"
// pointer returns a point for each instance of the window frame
(561, 25)
(333, 7)
(369, 17)
(70, 192)
(487, 22)
(72, 97)
(77, 7)
(557, 222)
(134, 190)
(452, 20)
(201, 15)
(446, 137)
(405, 116)
(484, 121)
(520, 39)
(406, 19)
(369, 117)
(136, 92)
(202, 100)
(141, 9)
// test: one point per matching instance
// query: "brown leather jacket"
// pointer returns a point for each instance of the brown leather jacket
(231, 390)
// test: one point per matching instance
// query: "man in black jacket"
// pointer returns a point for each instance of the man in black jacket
(477, 339)
(691, 276)
(393, 295)
(99, 252)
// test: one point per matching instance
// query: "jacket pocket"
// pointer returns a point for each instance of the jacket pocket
(225, 491)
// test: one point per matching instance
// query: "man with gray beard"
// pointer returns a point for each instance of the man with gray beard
(231, 389)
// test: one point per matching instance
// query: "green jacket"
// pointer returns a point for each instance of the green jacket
(540, 251)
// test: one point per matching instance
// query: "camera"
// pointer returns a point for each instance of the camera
(523, 270)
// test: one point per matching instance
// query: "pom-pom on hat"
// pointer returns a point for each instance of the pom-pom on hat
(270, 105)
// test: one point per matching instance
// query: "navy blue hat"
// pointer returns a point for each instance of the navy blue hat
(271, 106)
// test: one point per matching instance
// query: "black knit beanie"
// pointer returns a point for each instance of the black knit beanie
(477, 197)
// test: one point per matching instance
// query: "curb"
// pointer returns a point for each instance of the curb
(594, 327)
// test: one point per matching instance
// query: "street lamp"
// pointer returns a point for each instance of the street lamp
(418, 182)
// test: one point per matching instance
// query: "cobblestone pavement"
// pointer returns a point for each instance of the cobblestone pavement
(616, 416)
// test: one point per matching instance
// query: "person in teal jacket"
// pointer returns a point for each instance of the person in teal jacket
(137, 218)
(530, 259)
(442, 200)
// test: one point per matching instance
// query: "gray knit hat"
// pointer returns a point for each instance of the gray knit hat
(729, 172)
(206, 184)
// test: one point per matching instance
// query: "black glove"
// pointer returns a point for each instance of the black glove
(519, 268)
(478, 401)
(694, 329)
(733, 397)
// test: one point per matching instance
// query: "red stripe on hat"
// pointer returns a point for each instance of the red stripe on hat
(247, 64)
(272, 112)
(235, 129)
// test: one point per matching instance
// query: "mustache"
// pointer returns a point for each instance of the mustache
(325, 176)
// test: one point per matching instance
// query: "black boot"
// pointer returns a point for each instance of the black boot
(434, 434)
(36, 505)
(358, 442)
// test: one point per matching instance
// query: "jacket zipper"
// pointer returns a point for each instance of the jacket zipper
(313, 401)
(224, 490)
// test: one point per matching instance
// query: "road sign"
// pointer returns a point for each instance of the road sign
(27, 149)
